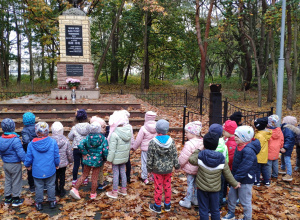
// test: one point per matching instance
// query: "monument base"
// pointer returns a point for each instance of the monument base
(80, 94)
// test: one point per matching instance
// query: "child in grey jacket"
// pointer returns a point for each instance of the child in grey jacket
(66, 157)
(78, 132)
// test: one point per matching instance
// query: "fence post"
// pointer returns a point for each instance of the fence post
(186, 97)
(225, 110)
(183, 131)
(272, 110)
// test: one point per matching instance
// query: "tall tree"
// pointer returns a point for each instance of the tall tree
(203, 43)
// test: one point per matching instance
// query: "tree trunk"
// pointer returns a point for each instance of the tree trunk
(289, 103)
(202, 46)
(43, 73)
(19, 61)
(109, 40)
(147, 67)
(143, 74)
(114, 63)
(254, 53)
(128, 68)
(270, 72)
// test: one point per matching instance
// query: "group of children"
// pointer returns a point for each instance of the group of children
(232, 154)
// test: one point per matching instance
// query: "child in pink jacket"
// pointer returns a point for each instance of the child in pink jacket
(146, 133)
(193, 130)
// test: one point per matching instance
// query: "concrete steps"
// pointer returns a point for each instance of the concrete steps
(65, 114)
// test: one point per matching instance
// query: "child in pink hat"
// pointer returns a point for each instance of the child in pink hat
(146, 133)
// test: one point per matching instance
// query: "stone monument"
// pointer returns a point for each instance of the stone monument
(75, 56)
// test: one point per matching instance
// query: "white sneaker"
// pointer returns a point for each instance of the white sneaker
(194, 202)
(185, 203)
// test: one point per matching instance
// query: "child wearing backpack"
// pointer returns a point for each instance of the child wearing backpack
(94, 149)
(146, 133)
(193, 130)
(12, 153)
(28, 133)
(66, 157)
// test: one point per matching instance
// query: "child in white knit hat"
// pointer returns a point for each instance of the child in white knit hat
(195, 142)
(119, 141)
(146, 133)
(243, 170)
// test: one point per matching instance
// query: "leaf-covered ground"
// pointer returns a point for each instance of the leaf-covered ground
(279, 201)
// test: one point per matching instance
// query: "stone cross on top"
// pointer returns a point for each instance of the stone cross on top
(75, 2)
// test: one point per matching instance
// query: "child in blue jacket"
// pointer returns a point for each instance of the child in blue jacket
(28, 133)
(43, 158)
(243, 170)
(290, 132)
(12, 154)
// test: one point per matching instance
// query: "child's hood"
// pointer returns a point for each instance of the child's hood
(276, 133)
(164, 142)
(95, 140)
(265, 133)
(42, 145)
(211, 159)
(293, 128)
(6, 144)
(124, 132)
(60, 139)
(83, 128)
(255, 145)
(150, 126)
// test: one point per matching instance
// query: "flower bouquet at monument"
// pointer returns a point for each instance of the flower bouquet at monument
(72, 83)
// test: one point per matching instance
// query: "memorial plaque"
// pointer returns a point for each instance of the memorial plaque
(74, 40)
(74, 70)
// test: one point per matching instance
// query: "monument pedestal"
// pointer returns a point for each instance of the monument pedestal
(80, 94)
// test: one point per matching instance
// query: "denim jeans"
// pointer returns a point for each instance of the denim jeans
(286, 162)
(191, 193)
(262, 168)
(272, 167)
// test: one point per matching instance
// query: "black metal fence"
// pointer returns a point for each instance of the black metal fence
(248, 117)
(174, 99)
(11, 95)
